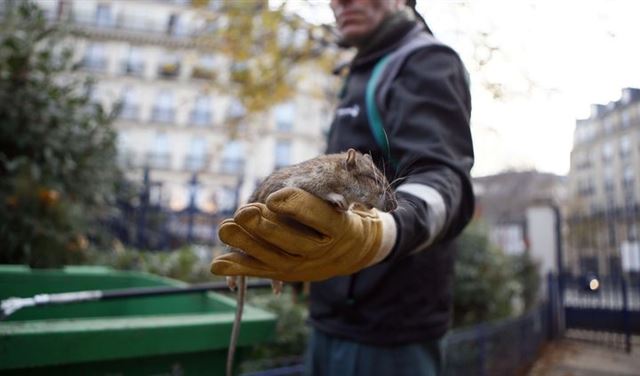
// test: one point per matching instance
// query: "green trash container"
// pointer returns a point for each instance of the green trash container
(163, 335)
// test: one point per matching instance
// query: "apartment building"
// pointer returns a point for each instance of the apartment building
(603, 213)
(145, 55)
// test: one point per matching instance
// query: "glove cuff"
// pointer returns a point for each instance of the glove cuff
(388, 238)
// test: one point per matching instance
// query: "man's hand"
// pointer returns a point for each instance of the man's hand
(297, 236)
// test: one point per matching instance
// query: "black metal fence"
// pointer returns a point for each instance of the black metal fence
(602, 304)
(146, 224)
(503, 347)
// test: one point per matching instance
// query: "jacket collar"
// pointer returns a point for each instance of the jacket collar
(386, 38)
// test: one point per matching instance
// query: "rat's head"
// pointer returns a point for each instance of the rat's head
(367, 184)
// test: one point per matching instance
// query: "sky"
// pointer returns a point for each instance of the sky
(554, 58)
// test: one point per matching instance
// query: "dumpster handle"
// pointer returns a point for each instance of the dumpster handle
(11, 305)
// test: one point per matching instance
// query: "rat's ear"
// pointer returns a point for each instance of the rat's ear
(351, 158)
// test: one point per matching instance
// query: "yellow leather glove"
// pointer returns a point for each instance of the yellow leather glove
(297, 236)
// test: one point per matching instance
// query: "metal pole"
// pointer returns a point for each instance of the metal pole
(625, 315)
(560, 261)
(193, 185)
(482, 351)
(11, 305)
(142, 210)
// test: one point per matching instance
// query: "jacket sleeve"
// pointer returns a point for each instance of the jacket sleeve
(427, 122)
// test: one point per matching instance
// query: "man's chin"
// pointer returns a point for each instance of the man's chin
(354, 37)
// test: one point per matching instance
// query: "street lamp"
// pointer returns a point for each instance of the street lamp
(591, 282)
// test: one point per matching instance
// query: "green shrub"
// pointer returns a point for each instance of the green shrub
(488, 284)
(57, 149)
(185, 264)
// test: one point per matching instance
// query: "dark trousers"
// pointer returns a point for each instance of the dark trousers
(331, 356)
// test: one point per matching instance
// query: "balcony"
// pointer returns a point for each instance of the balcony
(203, 73)
(586, 191)
(133, 69)
(284, 126)
(163, 115)
(160, 161)
(126, 159)
(232, 166)
(128, 27)
(169, 70)
(200, 118)
(195, 163)
(94, 64)
(609, 186)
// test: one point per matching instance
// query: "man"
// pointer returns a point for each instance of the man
(381, 295)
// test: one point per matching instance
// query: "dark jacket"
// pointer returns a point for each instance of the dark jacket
(407, 297)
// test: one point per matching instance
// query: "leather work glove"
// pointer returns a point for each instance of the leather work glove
(297, 236)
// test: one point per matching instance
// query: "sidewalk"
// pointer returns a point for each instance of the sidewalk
(570, 357)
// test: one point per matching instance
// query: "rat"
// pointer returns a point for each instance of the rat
(343, 179)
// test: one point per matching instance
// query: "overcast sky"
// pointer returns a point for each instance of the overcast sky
(575, 52)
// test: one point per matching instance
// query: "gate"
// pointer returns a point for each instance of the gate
(608, 305)
(599, 285)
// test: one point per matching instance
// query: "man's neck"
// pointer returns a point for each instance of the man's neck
(392, 28)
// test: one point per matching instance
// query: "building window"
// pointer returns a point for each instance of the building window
(629, 198)
(632, 231)
(239, 71)
(103, 15)
(134, 63)
(205, 68)
(216, 5)
(609, 183)
(608, 124)
(130, 109)
(628, 177)
(163, 109)
(611, 202)
(607, 152)
(201, 113)
(582, 160)
(236, 110)
(95, 58)
(177, 26)
(169, 66)
(283, 153)
(625, 147)
(284, 115)
(197, 157)
(625, 119)
(160, 157)
(126, 155)
(585, 187)
(233, 158)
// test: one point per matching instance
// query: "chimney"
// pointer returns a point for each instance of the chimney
(597, 110)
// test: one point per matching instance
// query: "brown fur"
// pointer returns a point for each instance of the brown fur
(350, 174)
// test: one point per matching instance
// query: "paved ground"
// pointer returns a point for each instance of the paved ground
(579, 357)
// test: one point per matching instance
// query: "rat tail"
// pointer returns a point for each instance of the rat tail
(235, 330)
